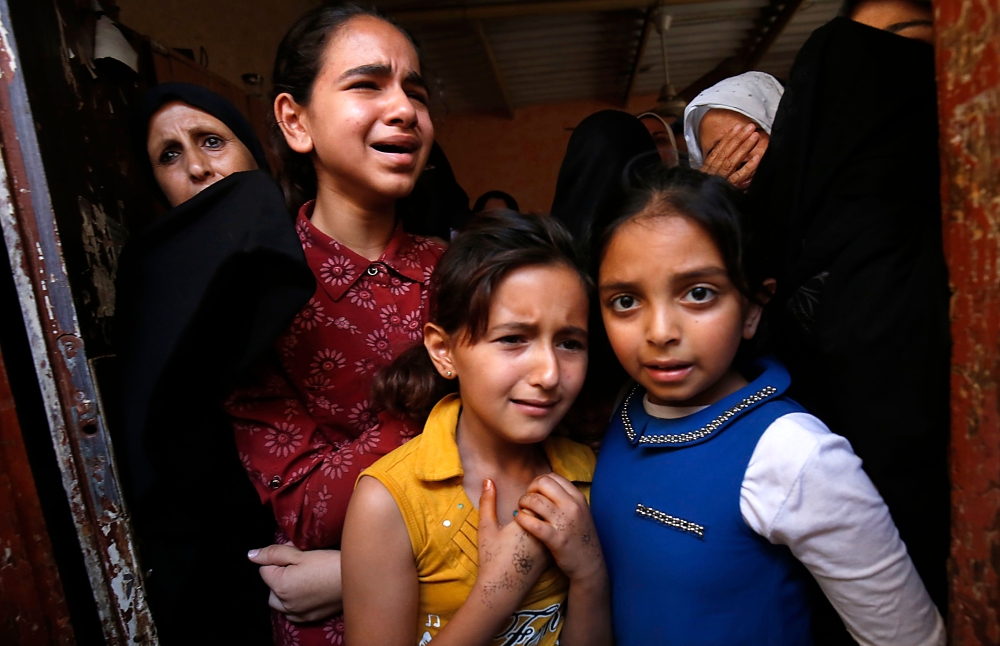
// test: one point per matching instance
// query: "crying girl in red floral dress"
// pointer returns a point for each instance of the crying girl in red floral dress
(352, 108)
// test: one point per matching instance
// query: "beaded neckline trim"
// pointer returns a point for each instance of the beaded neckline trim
(658, 516)
(704, 431)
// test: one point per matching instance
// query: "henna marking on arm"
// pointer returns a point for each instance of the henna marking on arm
(523, 562)
(505, 582)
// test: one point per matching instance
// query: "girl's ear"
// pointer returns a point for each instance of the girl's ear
(438, 344)
(752, 317)
(292, 120)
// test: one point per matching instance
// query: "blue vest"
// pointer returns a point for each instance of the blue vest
(685, 568)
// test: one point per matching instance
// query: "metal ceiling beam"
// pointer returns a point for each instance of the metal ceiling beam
(492, 11)
(772, 21)
(477, 26)
(647, 26)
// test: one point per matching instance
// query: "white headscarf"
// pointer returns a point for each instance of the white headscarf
(754, 94)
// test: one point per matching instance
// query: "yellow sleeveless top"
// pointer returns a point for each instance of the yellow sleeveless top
(425, 478)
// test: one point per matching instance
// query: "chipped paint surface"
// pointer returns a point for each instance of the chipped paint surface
(968, 58)
(102, 256)
(83, 451)
(5, 43)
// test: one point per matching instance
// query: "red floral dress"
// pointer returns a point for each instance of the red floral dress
(304, 425)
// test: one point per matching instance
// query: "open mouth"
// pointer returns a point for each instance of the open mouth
(396, 149)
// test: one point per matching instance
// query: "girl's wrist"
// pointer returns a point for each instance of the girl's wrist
(492, 599)
(595, 577)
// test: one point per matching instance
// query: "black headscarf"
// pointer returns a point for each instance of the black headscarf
(592, 178)
(197, 97)
(438, 204)
(848, 191)
(202, 293)
(603, 153)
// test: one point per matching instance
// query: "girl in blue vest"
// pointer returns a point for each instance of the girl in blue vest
(715, 496)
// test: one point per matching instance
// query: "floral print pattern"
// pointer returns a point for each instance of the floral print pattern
(304, 424)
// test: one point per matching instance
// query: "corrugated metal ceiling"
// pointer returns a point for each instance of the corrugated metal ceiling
(513, 62)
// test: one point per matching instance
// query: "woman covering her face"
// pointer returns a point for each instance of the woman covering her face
(188, 138)
(728, 126)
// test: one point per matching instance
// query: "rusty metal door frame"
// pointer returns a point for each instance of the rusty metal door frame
(76, 423)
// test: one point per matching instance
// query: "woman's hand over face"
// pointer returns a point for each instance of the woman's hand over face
(556, 513)
(736, 156)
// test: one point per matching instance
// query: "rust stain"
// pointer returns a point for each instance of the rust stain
(968, 60)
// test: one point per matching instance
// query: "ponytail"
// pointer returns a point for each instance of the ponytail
(411, 385)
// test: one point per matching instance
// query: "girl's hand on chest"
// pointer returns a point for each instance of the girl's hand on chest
(510, 559)
(555, 512)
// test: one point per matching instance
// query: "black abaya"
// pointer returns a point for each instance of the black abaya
(849, 194)
(202, 293)
(593, 176)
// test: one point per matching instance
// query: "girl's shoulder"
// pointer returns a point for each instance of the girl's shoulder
(798, 442)
(398, 464)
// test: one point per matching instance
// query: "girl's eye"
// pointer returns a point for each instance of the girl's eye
(417, 96)
(573, 345)
(700, 295)
(511, 339)
(623, 303)
(213, 141)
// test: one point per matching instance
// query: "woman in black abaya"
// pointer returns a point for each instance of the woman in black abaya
(202, 292)
(605, 151)
(848, 192)
(592, 177)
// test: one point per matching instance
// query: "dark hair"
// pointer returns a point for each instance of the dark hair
(491, 246)
(494, 195)
(713, 204)
(297, 64)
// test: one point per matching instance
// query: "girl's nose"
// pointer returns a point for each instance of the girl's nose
(663, 328)
(545, 371)
(401, 111)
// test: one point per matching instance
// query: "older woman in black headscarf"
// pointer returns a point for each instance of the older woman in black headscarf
(849, 191)
(187, 138)
(202, 292)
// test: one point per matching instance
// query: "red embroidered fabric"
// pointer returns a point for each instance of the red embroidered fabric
(304, 425)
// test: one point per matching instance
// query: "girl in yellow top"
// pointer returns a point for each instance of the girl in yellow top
(424, 557)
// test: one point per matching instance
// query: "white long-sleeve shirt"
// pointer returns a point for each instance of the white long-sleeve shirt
(805, 488)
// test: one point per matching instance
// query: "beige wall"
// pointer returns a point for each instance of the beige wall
(239, 37)
(519, 156)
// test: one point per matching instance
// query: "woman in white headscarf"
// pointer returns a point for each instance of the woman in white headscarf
(727, 127)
